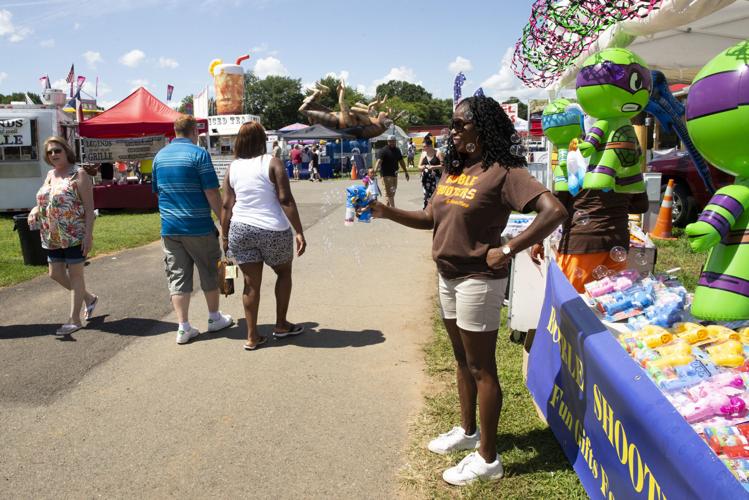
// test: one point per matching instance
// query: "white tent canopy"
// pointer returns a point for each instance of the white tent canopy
(678, 38)
(393, 129)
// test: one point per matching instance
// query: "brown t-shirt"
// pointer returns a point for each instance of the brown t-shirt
(598, 220)
(470, 212)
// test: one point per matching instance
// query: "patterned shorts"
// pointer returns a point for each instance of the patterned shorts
(252, 244)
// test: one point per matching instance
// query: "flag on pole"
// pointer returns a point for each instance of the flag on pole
(81, 80)
(44, 82)
(71, 74)
(169, 92)
(96, 90)
(200, 104)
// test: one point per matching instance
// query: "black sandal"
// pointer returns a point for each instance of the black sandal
(293, 330)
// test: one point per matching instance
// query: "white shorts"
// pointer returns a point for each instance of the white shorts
(475, 303)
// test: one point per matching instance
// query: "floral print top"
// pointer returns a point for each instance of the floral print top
(61, 216)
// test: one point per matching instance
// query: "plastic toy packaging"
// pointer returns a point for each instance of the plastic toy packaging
(357, 198)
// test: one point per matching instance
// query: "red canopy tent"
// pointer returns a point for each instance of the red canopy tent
(139, 114)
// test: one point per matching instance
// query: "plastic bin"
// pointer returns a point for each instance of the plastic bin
(31, 243)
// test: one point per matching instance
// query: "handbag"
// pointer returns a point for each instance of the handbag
(226, 274)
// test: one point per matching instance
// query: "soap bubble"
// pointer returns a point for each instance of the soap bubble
(600, 272)
(618, 254)
(414, 119)
(515, 138)
(581, 218)
(641, 257)
(444, 132)
(470, 147)
(517, 150)
(578, 273)
(456, 163)
(468, 115)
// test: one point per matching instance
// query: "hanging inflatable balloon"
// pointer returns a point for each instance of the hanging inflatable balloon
(717, 120)
(562, 122)
(228, 80)
(613, 86)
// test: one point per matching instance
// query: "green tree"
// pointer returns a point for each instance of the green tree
(275, 98)
(330, 100)
(20, 97)
(408, 92)
(186, 106)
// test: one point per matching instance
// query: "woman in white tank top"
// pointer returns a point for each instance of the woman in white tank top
(258, 214)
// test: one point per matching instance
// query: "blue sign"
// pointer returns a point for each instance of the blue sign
(622, 436)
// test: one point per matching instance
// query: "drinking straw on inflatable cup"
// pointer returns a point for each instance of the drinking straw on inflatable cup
(242, 58)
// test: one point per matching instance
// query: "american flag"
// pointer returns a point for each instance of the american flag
(460, 79)
(71, 74)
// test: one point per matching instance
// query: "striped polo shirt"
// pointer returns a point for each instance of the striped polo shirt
(181, 171)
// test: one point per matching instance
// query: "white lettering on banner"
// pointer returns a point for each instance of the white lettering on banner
(109, 150)
(15, 132)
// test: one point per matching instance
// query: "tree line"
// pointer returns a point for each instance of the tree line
(276, 99)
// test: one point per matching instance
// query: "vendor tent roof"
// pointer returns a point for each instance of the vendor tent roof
(393, 129)
(315, 132)
(139, 114)
(678, 38)
(292, 127)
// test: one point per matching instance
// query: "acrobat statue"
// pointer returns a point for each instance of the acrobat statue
(562, 122)
(613, 86)
(717, 121)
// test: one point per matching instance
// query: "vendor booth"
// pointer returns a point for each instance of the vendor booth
(646, 400)
(132, 130)
(331, 156)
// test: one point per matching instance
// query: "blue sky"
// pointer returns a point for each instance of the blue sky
(158, 42)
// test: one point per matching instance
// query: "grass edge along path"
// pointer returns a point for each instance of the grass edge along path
(534, 464)
(113, 231)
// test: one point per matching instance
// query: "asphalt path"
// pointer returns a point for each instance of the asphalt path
(120, 410)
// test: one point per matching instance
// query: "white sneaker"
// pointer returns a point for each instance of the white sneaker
(183, 337)
(455, 440)
(219, 324)
(473, 467)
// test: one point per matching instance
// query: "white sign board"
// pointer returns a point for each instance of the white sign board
(512, 111)
(15, 132)
(111, 150)
(228, 124)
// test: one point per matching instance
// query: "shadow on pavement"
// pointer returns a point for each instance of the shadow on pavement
(138, 327)
(312, 337)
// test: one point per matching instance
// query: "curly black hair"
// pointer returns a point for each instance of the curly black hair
(494, 130)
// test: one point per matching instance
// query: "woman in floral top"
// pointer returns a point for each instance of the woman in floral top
(64, 213)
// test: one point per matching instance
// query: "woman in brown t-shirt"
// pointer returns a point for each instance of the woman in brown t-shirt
(485, 179)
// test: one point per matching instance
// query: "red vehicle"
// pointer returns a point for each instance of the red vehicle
(690, 194)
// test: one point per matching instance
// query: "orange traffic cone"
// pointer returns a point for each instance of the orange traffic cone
(354, 175)
(664, 223)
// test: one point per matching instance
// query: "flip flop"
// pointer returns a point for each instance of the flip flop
(67, 329)
(293, 330)
(263, 340)
(90, 308)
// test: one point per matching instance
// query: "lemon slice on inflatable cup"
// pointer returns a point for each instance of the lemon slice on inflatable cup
(212, 66)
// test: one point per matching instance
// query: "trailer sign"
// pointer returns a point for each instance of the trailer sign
(15, 132)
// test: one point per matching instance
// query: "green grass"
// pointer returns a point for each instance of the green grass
(677, 253)
(113, 231)
(534, 464)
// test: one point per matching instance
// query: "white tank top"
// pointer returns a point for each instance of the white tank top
(256, 200)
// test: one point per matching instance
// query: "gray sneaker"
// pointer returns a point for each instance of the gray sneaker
(219, 324)
(184, 336)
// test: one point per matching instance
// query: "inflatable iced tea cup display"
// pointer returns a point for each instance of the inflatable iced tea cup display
(229, 83)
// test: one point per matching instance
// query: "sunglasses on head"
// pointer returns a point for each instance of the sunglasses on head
(54, 151)
(458, 125)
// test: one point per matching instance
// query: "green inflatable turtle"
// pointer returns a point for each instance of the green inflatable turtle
(613, 86)
(718, 123)
(561, 122)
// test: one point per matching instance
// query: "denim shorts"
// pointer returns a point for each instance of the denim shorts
(474, 303)
(70, 255)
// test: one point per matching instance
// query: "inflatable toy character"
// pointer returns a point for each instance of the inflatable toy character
(613, 86)
(228, 80)
(562, 122)
(718, 123)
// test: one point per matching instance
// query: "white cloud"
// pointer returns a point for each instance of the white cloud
(402, 73)
(504, 84)
(132, 58)
(460, 64)
(92, 57)
(269, 66)
(7, 28)
(47, 44)
(343, 75)
(76, 26)
(3, 76)
(308, 86)
(166, 62)
(362, 89)
(139, 82)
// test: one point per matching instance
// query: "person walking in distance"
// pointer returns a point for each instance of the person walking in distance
(296, 160)
(388, 160)
(410, 152)
(187, 185)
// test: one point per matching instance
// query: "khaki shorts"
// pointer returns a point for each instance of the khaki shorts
(182, 253)
(475, 303)
(391, 186)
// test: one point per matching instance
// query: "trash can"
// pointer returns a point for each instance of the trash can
(31, 243)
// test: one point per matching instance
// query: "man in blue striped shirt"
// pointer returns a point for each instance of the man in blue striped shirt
(184, 178)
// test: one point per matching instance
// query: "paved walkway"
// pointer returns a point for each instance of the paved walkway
(125, 412)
